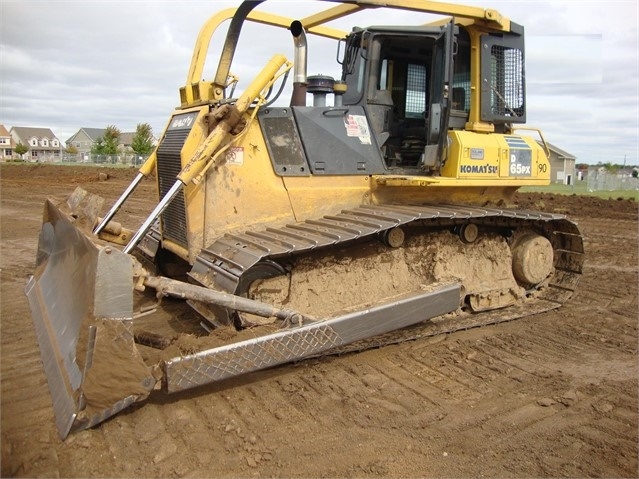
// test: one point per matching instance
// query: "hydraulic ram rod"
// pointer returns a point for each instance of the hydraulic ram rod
(205, 152)
(180, 289)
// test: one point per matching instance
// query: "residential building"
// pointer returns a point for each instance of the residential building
(6, 144)
(126, 140)
(562, 166)
(84, 139)
(42, 143)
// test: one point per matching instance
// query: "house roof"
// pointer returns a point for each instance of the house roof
(559, 151)
(26, 132)
(5, 133)
(126, 139)
(92, 133)
(95, 133)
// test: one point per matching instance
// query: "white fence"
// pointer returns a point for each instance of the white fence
(128, 159)
(601, 180)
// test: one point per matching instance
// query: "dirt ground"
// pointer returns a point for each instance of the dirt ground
(552, 395)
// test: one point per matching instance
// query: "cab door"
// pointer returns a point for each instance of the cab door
(439, 97)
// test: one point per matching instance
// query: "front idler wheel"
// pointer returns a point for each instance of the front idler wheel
(532, 259)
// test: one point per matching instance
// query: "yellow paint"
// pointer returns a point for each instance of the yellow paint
(197, 91)
(316, 196)
(479, 158)
(214, 140)
(478, 169)
(239, 189)
(243, 192)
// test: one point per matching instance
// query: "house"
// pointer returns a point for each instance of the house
(6, 144)
(84, 139)
(42, 143)
(126, 140)
(562, 166)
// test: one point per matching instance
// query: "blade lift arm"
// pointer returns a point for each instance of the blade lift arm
(203, 157)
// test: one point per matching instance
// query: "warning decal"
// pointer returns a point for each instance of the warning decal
(356, 125)
(235, 156)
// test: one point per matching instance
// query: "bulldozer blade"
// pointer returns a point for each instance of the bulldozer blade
(81, 300)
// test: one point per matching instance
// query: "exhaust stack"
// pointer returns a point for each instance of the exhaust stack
(298, 98)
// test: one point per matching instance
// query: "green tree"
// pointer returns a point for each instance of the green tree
(111, 140)
(142, 143)
(107, 144)
(610, 168)
(21, 149)
(71, 150)
(98, 146)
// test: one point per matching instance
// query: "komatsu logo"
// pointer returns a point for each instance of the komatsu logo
(183, 122)
(480, 169)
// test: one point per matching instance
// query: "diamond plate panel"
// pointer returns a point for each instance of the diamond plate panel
(232, 360)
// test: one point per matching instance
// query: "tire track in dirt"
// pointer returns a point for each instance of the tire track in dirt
(24, 390)
(539, 423)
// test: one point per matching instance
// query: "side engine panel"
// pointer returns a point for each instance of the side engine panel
(321, 141)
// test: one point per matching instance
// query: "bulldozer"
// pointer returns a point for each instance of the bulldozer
(368, 208)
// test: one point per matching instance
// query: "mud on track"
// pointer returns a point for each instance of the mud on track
(549, 395)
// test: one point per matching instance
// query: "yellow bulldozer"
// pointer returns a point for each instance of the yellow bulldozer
(362, 210)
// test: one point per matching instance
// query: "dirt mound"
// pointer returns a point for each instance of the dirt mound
(59, 173)
(576, 205)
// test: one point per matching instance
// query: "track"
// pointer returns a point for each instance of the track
(549, 395)
(340, 256)
(224, 264)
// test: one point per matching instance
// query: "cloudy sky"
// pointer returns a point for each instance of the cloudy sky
(71, 64)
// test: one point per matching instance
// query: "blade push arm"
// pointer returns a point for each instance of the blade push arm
(204, 153)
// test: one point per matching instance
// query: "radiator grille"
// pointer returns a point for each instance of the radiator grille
(169, 165)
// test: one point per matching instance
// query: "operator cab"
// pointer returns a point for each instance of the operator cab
(402, 90)
(402, 77)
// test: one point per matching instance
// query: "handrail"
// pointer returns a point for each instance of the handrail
(315, 25)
